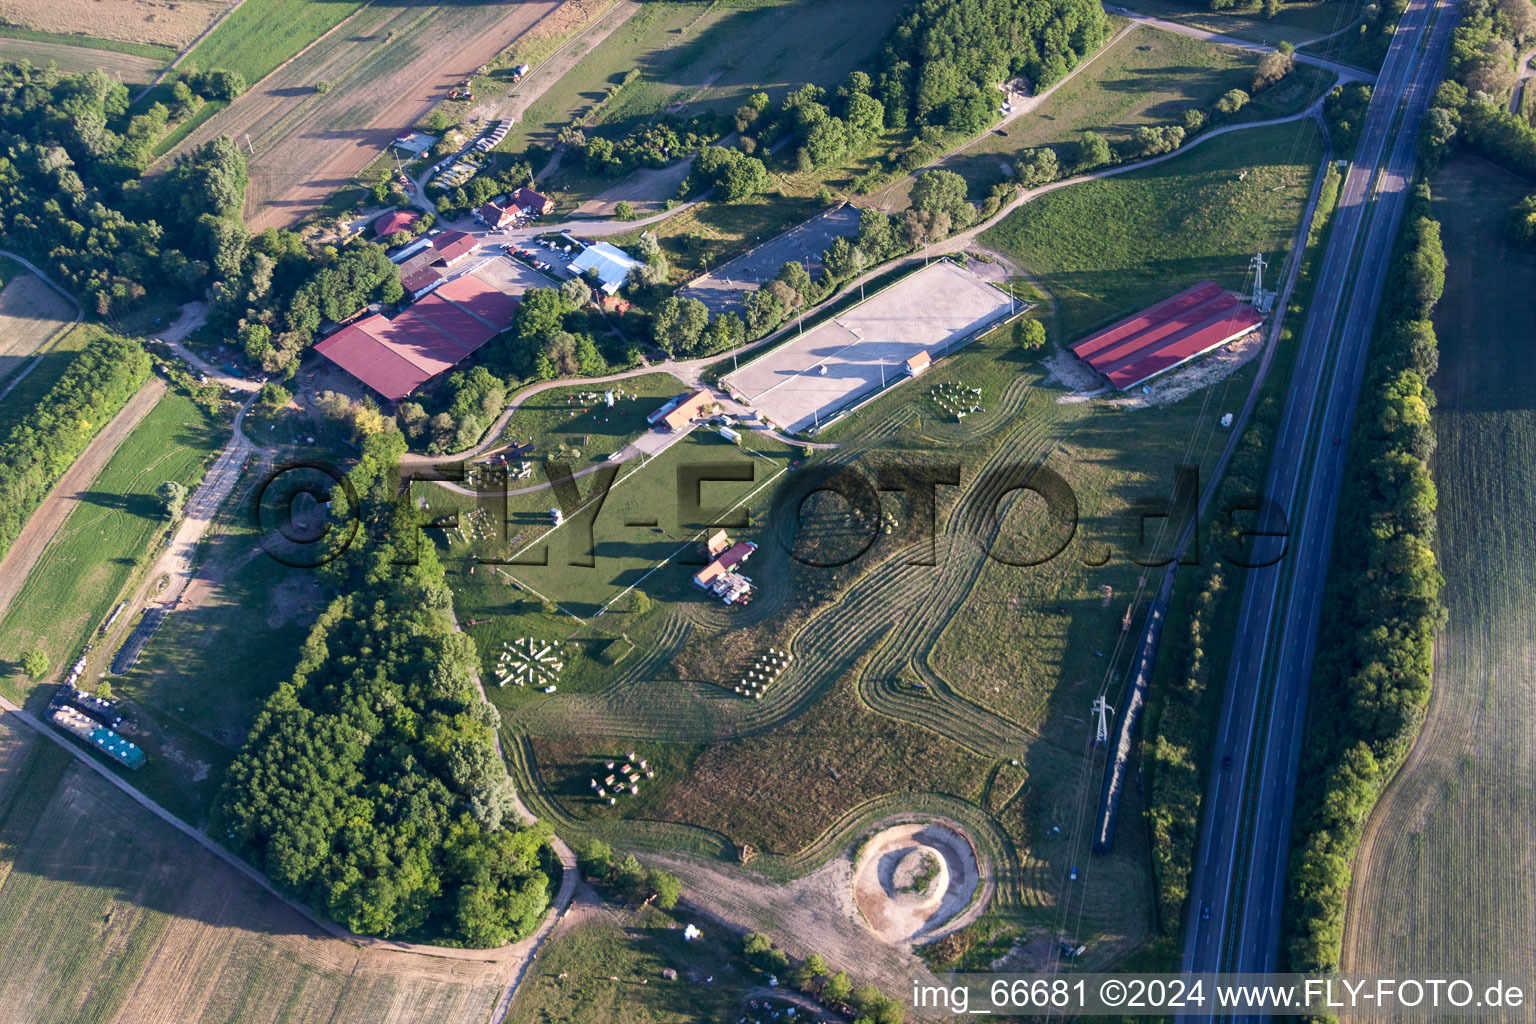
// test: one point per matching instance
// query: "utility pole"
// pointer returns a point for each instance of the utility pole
(248, 146)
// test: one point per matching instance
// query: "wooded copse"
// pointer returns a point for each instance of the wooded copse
(370, 785)
(99, 380)
(945, 59)
(1371, 681)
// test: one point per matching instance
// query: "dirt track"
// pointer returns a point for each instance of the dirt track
(387, 66)
(45, 522)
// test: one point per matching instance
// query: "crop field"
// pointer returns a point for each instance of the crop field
(80, 576)
(1199, 216)
(31, 315)
(169, 23)
(310, 144)
(693, 57)
(109, 915)
(1147, 77)
(1446, 874)
(130, 68)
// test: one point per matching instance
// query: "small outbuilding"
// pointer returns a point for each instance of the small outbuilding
(918, 363)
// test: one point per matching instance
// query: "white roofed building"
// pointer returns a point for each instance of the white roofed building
(609, 263)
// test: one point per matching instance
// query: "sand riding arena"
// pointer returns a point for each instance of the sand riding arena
(912, 880)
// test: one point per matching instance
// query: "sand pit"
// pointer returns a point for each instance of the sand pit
(910, 880)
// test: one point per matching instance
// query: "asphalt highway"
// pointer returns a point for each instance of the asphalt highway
(1238, 886)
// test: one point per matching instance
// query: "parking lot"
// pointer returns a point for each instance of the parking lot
(804, 381)
(509, 275)
(722, 288)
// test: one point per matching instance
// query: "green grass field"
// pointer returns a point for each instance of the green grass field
(106, 912)
(571, 981)
(1199, 216)
(107, 538)
(164, 54)
(1445, 870)
(573, 423)
(261, 34)
(693, 57)
(1296, 22)
(1149, 77)
(30, 390)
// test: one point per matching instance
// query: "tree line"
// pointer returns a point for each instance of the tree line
(1371, 681)
(99, 380)
(369, 785)
(1471, 107)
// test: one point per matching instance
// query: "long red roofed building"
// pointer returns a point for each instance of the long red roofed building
(395, 357)
(1174, 331)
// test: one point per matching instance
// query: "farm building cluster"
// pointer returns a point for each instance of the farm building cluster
(720, 577)
(93, 720)
(395, 357)
(1171, 333)
(622, 780)
(509, 211)
(424, 264)
(764, 671)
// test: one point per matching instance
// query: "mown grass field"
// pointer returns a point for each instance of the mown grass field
(1148, 77)
(133, 69)
(568, 424)
(24, 394)
(261, 34)
(1295, 22)
(500, 603)
(212, 666)
(573, 978)
(693, 57)
(107, 537)
(1107, 247)
(109, 915)
(31, 316)
(1446, 875)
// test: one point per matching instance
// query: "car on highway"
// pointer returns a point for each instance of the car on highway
(1205, 912)
(1226, 762)
(1074, 872)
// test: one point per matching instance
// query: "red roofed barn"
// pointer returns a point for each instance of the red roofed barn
(1166, 335)
(395, 357)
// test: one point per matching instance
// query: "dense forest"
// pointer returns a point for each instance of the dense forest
(369, 785)
(1371, 683)
(103, 376)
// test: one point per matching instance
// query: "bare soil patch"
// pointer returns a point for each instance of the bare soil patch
(163, 22)
(911, 880)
